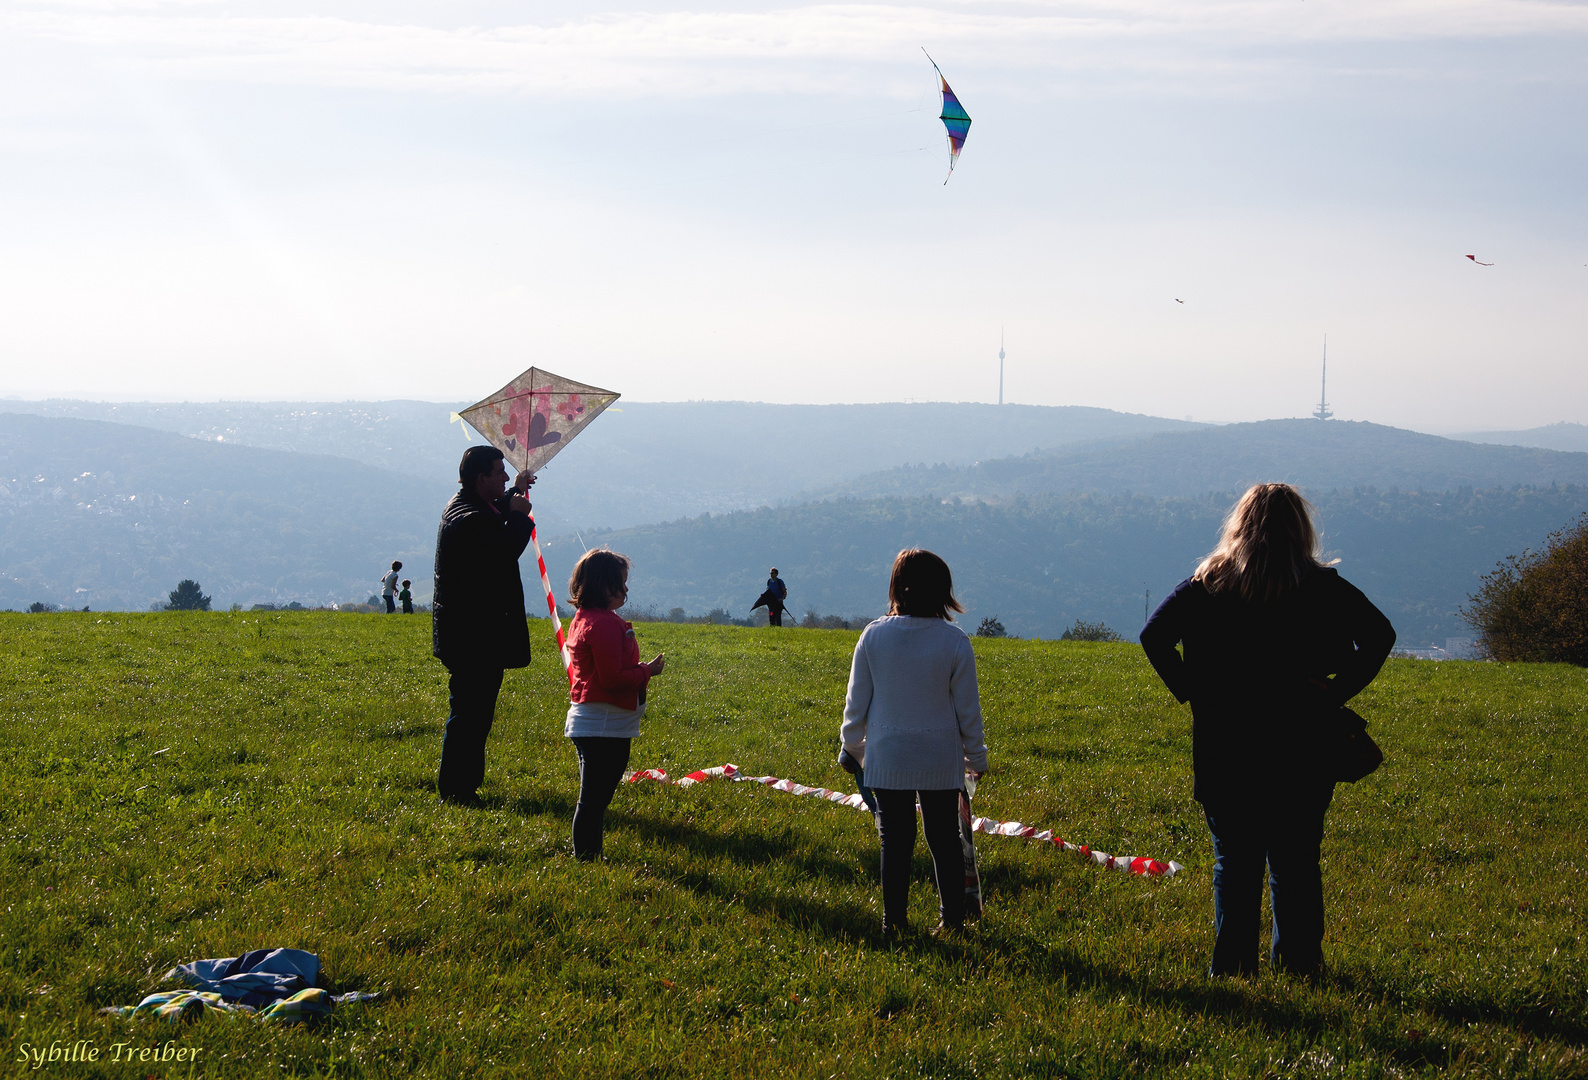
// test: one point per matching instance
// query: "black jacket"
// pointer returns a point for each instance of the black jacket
(478, 606)
(1258, 676)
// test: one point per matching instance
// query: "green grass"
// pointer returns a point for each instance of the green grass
(183, 786)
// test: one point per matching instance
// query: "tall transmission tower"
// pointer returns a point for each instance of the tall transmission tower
(1000, 365)
(1322, 411)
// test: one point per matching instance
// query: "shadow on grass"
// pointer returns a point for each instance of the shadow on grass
(1542, 1018)
(689, 852)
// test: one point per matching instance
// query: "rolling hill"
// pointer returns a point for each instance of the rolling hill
(643, 461)
(113, 516)
(1041, 562)
(1312, 455)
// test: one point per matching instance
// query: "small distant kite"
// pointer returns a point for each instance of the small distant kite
(1178, 300)
(956, 121)
(1479, 261)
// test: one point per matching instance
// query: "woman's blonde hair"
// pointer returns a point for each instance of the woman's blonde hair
(1268, 545)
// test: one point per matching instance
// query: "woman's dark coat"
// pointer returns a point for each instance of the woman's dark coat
(478, 608)
(1258, 676)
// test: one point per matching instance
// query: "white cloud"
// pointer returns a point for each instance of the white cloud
(694, 53)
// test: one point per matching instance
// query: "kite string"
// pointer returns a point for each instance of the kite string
(551, 605)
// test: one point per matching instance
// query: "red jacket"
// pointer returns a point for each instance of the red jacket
(606, 660)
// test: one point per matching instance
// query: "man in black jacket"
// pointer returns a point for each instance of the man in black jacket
(479, 626)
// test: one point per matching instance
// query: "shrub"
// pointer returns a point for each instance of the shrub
(991, 627)
(1089, 631)
(38, 607)
(188, 596)
(1530, 607)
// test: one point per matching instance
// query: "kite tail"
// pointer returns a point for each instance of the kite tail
(551, 606)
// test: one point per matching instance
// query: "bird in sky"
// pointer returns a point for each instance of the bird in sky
(1479, 261)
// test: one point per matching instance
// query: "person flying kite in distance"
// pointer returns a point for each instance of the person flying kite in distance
(956, 121)
(1480, 262)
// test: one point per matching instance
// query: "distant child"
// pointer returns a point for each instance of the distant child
(607, 691)
(407, 597)
(388, 588)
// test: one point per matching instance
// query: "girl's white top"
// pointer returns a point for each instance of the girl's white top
(913, 715)
(602, 720)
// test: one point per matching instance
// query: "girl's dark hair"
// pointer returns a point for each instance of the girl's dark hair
(1268, 545)
(597, 577)
(921, 585)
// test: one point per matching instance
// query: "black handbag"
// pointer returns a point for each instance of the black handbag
(1349, 751)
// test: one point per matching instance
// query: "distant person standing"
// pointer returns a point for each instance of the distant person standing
(777, 592)
(1271, 644)
(388, 588)
(407, 597)
(479, 628)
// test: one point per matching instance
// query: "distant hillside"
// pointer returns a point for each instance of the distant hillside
(113, 516)
(1041, 562)
(1312, 455)
(1563, 436)
(643, 462)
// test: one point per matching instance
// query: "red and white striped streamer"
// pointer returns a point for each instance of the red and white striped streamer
(551, 606)
(1130, 864)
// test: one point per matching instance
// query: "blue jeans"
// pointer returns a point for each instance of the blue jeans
(1284, 835)
(472, 696)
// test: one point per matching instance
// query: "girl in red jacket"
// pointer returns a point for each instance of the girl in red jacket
(607, 691)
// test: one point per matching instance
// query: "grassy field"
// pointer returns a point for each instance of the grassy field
(180, 786)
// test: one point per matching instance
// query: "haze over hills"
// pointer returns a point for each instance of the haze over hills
(1312, 455)
(1562, 436)
(643, 461)
(1040, 562)
(113, 516)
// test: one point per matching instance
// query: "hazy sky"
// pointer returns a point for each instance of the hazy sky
(307, 200)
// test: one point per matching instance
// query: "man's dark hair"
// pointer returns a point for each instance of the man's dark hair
(597, 577)
(477, 461)
(397, 566)
(921, 585)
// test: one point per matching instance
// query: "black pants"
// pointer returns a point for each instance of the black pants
(408, 607)
(472, 695)
(1285, 835)
(391, 604)
(601, 764)
(774, 616)
(896, 827)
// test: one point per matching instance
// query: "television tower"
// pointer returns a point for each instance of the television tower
(1000, 365)
(1322, 411)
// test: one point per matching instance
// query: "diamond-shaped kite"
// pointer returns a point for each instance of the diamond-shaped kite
(536, 415)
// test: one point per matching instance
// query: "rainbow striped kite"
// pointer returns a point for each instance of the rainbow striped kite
(955, 120)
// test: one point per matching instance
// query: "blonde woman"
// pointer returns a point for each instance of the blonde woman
(1270, 641)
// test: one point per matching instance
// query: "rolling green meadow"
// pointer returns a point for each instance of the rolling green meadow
(178, 786)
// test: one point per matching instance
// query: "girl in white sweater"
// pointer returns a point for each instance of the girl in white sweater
(913, 721)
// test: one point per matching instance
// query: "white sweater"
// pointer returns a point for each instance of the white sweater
(913, 715)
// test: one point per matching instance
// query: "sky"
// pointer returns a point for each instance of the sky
(1164, 206)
